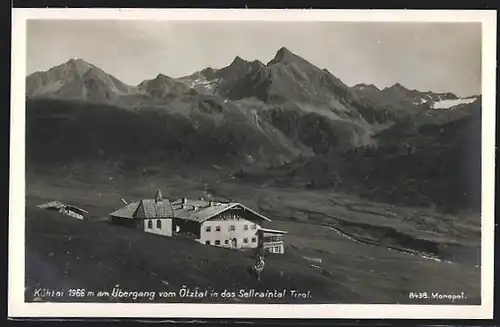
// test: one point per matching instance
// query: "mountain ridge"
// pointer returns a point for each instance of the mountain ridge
(247, 114)
(77, 79)
(48, 83)
(288, 93)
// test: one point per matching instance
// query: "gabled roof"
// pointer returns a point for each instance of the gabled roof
(127, 211)
(201, 210)
(146, 209)
(150, 208)
(51, 204)
(194, 210)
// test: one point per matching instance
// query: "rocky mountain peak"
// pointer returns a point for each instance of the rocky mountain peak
(238, 62)
(363, 86)
(283, 55)
(77, 65)
(399, 87)
(162, 77)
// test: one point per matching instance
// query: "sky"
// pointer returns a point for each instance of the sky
(439, 57)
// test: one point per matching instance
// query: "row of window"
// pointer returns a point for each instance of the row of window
(158, 224)
(269, 239)
(208, 228)
(231, 228)
(275, 249)
(226, 242)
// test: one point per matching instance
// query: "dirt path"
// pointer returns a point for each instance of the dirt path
(364, 242)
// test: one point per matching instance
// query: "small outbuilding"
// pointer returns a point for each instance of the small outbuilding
(66, 209)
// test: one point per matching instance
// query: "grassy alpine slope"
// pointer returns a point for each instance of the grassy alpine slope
(357, 266)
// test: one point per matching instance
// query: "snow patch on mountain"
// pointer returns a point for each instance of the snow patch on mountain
(446, 104)
(420, 101)
(201, 84)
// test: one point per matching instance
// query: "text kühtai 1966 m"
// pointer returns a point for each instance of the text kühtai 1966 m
(183, 292)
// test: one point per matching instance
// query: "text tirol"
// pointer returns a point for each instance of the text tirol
(272, 294)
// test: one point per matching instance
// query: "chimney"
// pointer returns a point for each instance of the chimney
(184, 201)
(195, 208)
(211, 203)
(158, 196)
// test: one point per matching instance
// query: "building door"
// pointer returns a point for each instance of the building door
(234, 243)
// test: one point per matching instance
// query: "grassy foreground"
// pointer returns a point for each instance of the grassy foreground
(64, 253)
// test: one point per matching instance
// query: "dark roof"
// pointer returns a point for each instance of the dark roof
(146, 209)
(127, 211)
(150, 208)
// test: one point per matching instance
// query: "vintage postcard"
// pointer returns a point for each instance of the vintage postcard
(252, 163)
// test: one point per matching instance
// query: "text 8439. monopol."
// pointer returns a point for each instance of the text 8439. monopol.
(418, 295)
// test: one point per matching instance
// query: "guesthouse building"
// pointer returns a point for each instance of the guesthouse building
(224, 224)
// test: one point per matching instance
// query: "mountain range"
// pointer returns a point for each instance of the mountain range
(287, 77)
(247, 114)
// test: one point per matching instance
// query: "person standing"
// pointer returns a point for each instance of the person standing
(259, 266)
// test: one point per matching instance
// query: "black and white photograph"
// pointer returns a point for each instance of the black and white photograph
(190, 159)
